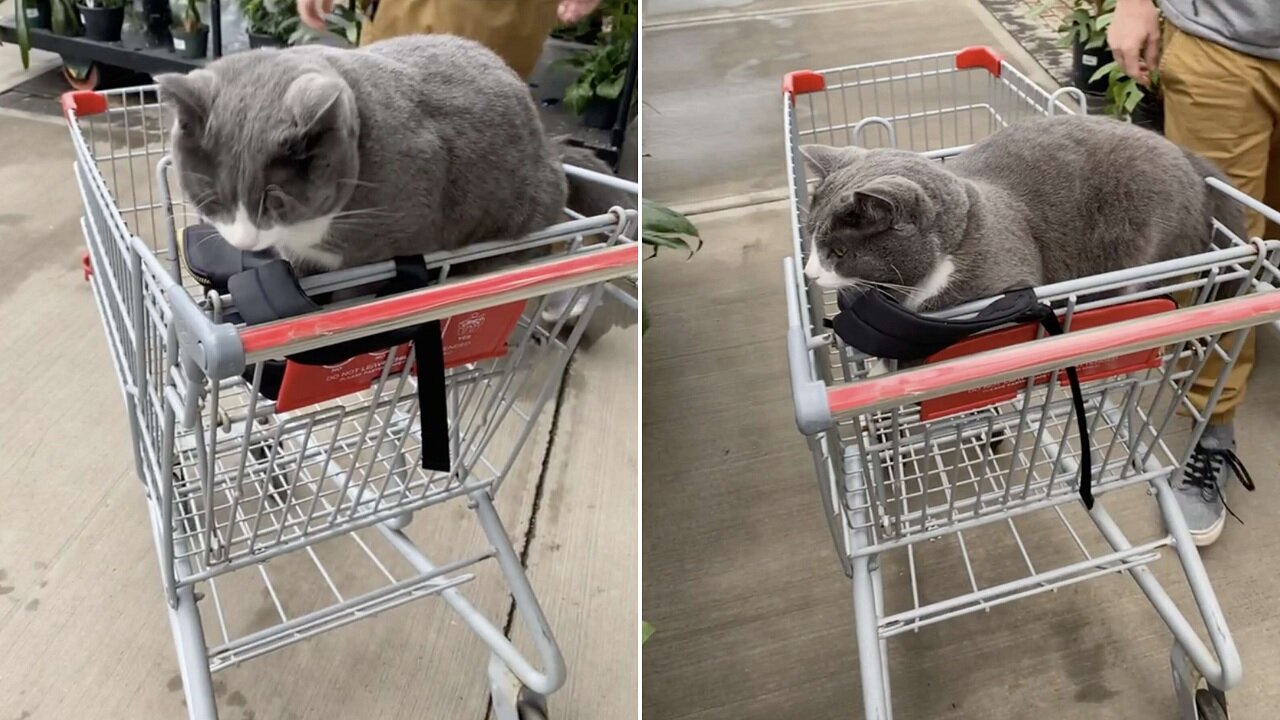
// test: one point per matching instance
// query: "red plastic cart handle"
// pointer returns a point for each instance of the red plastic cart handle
(317, 329)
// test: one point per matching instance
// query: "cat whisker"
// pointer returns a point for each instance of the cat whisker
(366, 211)
(354, 181)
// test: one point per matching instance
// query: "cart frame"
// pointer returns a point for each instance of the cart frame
(233, 486)
(862, 419)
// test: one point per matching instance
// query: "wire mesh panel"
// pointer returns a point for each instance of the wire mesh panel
(921, 470)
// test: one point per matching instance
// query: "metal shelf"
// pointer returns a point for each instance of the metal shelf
(129, 56)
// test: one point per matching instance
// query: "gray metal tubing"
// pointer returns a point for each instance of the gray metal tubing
(193, 661)
(545, 682)
(1225, 671)
(866, 627)
(612, 181)
(813, 415)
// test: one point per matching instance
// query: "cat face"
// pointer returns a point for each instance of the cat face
(266, 151)
(871, 222)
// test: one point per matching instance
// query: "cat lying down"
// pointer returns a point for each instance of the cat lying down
(336, 158)
(1039, 202)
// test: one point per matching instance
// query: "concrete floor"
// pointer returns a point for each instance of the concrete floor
(83, 629)
(753, 614)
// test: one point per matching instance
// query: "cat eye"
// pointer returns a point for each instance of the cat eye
(838, 252)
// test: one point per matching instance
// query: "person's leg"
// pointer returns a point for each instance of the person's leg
(1203, 85)
(514, 29)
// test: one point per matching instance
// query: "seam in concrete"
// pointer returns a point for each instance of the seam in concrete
(732, 202)
(721, 18)
(24, 115)
(539, 489)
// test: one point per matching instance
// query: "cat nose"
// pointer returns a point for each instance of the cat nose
(241, 233)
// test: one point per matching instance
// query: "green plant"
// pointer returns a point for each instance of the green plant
(64, 18)
(665, 228)
(1123, 92)
(347, 21)
(602, 70)
(275, 18)
(646, 632)
(1087, 25)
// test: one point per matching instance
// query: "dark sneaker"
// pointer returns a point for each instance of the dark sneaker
(1202, 490)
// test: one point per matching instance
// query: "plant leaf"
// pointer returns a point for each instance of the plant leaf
(1103, 71)
(24, 34)
(1132, 97)
(610, 89)
(646, 632)
(661, 219)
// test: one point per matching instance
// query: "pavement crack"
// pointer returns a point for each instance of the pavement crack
(539, 489)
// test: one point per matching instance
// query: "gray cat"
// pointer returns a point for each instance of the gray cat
(336, 158)
(1041, 201)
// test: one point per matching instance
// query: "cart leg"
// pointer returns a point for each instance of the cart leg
(870, 651)
(877, 588)
(504, 689)
(193, 658)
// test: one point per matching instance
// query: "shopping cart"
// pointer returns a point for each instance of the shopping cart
(985, 447)
(302, 495)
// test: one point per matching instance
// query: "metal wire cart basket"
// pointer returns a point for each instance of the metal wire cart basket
(920, 467)
(252, 490)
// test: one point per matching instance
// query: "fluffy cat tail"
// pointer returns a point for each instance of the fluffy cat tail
(585, 196)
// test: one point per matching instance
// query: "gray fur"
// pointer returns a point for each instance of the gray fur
(1041, 201)
(412, 145)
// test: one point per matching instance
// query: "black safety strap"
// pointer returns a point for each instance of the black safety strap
(877, 324)
(270, 291)
(433, 409)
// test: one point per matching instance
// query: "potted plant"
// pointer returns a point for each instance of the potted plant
(1094, 69)
(36, 13)
(1085, 31)
(62, 19)
(271, 23)
(602, 70)
(347, 21)
(191, 36)
(102, 19)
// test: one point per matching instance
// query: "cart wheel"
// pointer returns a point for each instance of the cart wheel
(531, 705)
(1211, 704)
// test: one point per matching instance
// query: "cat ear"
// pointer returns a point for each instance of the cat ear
(319, 102)
(867, 211)
(824, 159)
(190, 95)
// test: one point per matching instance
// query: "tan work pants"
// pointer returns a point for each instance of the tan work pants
(1225, 106)
(514, 29)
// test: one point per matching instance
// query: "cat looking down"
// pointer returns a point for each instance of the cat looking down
(335, 158)
(1038, 202)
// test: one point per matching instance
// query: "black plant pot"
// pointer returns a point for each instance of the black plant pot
(1149, 113)
(158, 18)
(600, 114)
(102, 24)
(192, 45)
(39, 14)
(259, 40)
(1084, 63)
